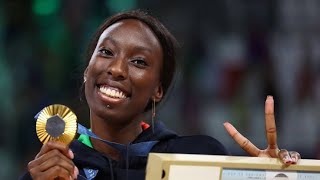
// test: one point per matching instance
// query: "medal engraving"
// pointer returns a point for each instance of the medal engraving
(55, 126)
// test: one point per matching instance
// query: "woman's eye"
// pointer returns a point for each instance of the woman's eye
(105, 52)
(139, 62)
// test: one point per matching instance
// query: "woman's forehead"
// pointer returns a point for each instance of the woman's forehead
(130, 31)
(132, 27)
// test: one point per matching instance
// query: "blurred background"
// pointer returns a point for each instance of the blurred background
(233, 54)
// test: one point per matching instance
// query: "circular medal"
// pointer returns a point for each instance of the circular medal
(56, 123)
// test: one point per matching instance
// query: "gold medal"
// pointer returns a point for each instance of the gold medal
(56, 123)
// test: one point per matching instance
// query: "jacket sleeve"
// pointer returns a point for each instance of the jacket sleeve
(25, 176)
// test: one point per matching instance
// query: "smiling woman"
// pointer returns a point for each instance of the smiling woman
(130, 67)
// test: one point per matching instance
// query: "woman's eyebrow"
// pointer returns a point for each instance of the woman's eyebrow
(143, 48)
(109, 38)
(136, 47)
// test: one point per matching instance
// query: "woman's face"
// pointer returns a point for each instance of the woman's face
(123, 74)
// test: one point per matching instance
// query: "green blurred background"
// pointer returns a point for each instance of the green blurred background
(233, 54)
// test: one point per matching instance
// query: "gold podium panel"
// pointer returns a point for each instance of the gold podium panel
(163, 166)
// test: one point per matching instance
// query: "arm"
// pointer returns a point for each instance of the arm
(272, 149)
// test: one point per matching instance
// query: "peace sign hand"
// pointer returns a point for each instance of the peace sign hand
(272, 150)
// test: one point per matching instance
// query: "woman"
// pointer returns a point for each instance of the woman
(130, 67)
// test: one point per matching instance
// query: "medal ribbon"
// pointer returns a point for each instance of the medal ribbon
(137, 149)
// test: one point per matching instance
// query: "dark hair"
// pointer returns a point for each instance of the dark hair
(166, 39)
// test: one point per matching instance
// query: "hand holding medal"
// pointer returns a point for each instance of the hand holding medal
(56, 127)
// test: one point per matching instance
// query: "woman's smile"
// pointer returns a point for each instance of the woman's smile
(112, 92)
(111, 95)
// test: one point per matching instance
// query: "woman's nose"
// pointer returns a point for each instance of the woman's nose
(118, 69)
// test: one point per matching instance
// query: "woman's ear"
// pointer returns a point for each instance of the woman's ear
(85, 75)
(158, 93)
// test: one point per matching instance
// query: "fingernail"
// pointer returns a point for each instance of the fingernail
(71, 154)
(75, 172)
(287, 160)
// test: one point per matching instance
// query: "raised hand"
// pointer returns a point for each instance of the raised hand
(272, 149)
(54, 161)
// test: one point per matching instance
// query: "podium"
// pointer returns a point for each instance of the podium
(162, 166)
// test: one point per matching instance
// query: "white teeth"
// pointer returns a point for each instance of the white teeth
(114, 93)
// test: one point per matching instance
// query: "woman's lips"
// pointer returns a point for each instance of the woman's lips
(110, 95)
(112, 92)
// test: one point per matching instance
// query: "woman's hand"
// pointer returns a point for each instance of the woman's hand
(54, 161)
(272, 150)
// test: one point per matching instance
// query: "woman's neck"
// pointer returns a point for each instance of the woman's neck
(123, 134)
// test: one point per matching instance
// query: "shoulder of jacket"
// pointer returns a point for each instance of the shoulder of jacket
(195, 144)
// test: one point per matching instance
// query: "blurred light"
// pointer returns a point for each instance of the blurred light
(120, 5)
(45, 7)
